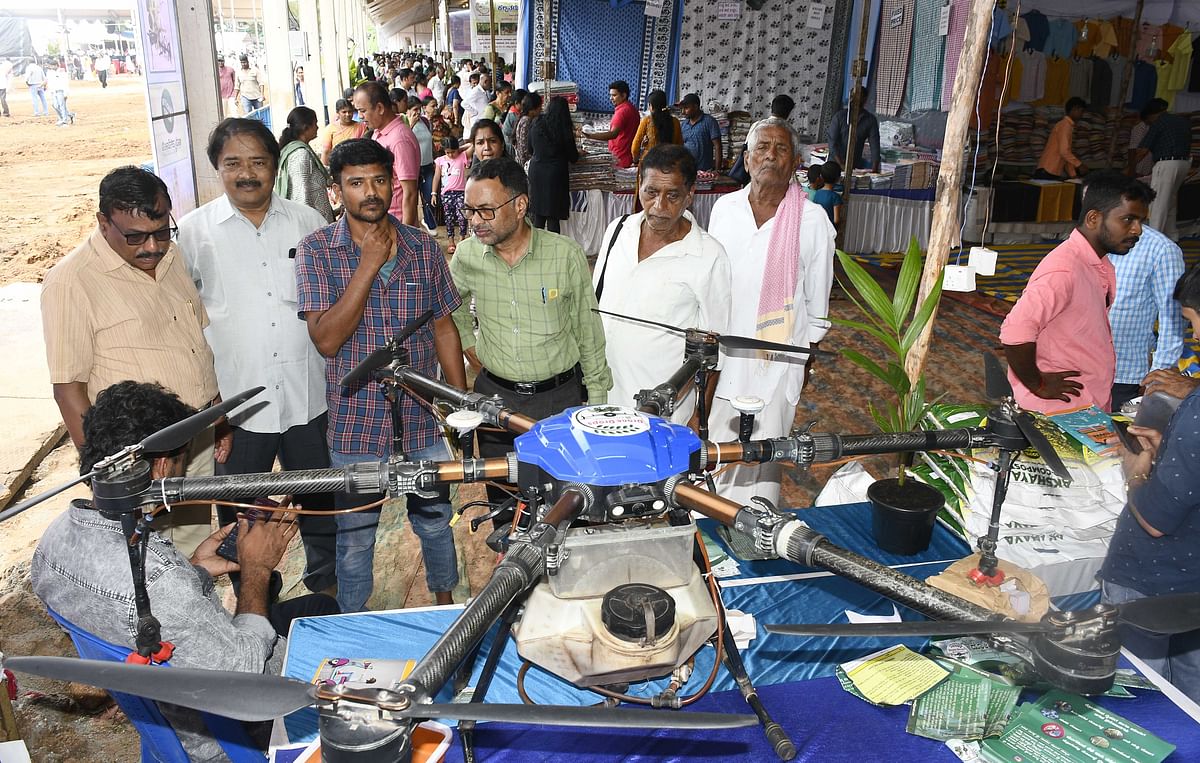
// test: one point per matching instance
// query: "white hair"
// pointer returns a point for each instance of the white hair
(775, 122)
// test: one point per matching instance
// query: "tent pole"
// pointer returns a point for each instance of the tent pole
(947, 201)
(858, 70)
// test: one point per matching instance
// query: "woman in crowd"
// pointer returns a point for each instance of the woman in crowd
(658, 127)
(454, 102)
(531, 107)
(449, 182)
(552, 143)
(513, 117)
(343, 127)
(423, 131)
(486, 141)
(301, 176)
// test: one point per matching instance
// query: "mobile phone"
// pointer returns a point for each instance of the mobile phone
(228, 547)
(1131, 443)
(1156, 410)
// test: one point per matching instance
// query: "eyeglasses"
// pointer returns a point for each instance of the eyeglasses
(139, 238)
(486, 213)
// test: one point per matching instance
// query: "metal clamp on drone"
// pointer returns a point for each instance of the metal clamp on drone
(604, 582)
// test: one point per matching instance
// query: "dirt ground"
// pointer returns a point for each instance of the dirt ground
(51, 178)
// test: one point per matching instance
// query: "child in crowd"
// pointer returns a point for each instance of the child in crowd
(822, 179)
(449, 183)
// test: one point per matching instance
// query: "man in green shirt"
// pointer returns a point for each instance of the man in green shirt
(540, 344)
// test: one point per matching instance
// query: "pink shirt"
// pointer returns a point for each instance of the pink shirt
(225, 77)
(454, 171)
(398, 138)
(1064, 308)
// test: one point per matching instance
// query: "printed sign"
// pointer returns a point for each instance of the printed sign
(610, 421)
(728, 10)
(506, 15)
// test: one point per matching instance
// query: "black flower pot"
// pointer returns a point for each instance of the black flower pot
(902, 516)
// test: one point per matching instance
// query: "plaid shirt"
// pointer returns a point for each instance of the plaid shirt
(359, 417)
(1146, 279)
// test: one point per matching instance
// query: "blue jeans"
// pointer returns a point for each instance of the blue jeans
(60, 105)
(1175, 658)
(426, 185)
(430, 519)
(38, 94)
(250, 104)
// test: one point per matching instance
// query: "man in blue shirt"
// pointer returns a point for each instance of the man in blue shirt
(1156, 546)
(701, 134)
(1146, 279)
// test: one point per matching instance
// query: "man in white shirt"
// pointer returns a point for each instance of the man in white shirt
(58, 84)
(240, 249)
(103, 64)
(475, 99)
(6, 69)
(35, 78)
(436, 84)
(663, 267)
(745, 222)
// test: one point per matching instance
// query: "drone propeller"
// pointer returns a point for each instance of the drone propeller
(381, 357)
(728, 341)
(1169, 614)
(1025, 422)
(163, 441)
(995, 379)
(259, 697)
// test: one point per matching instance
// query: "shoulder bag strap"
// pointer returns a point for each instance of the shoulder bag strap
(604, 268)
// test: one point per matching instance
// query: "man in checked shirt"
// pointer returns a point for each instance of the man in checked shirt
(540, 345)
(360, 281)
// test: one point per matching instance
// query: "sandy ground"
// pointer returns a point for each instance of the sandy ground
(51, 178)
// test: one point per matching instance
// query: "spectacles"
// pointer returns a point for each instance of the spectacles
(486, 213)
(139, 238)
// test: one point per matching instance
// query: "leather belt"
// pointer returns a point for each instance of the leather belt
(533, 388)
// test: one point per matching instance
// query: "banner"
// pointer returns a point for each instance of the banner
(166, 104)
(460, 32)
(506, 16)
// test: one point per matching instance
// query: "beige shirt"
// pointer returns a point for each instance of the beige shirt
(105, 322)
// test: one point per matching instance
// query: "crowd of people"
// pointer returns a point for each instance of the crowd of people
(321, 249)
(49, 78)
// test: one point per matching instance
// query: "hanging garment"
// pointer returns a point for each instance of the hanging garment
(1079, 81)
(1101, 94)
(925, 61)
(1106, 43)
(1039, 30)
(895, 43)
(1033, 75)
(959, 11)
(1145, 85)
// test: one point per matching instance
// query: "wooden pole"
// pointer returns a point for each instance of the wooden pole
(1117, 109)
(948, 198)
(492, 28)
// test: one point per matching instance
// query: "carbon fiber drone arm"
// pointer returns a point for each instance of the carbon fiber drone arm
(806, 448)
(492, 409)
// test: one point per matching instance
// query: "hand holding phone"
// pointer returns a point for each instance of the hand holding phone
(228, 547)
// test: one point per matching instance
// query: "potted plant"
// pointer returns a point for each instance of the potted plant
(904, 509)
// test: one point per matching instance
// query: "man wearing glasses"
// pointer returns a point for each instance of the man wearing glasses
(123, 307)
(540, 344)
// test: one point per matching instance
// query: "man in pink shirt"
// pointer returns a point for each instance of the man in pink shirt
(1057, 337)
(375, 107)
(225, 78)
(623, 126)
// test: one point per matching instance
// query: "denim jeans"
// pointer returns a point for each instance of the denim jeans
(1175, 658)
(60, 106)
(38, 94)
(356, 534)
(426, 186)
(250, 104)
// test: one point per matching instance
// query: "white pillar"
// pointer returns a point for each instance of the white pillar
(341, 21)
(309, 30)
(331, 69)
(199, 60)
(279, 63)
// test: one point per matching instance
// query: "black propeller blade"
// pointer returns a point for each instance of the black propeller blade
(905, 629)
(729, 342)
(258, 697)
(381, 357)
(181, 432)
(995, 378)
(1028, 427)
(242, 696)
(29, 503)
(1171, 613)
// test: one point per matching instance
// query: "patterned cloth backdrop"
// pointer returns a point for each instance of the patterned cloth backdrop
(744, 63)
(595, 42)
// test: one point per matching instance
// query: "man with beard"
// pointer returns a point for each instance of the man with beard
(658, 264)
(540, 345)
(239, 249)
(361, 280)
(123, 306)
(1057, 337)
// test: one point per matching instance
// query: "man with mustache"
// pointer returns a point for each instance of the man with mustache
(360, 281)
(240, 251)
(374, 105)
(122, 306)
(1057, 337)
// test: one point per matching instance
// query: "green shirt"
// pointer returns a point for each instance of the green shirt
(535, 318)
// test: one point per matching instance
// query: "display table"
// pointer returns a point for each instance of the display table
(886, 220)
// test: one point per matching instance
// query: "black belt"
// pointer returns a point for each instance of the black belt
(533, 388)
(1173, 158)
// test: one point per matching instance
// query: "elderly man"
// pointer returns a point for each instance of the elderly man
(1057, 337)
(658, 264)
(361, 280)
(122, 306)
(540, 346)
(81, 567)
(240, 250)
(393, 133)
(774, 234)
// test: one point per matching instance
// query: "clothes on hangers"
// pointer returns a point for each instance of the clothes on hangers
(1101, 93)
(1039, 30)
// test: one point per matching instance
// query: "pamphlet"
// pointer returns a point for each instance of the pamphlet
(894, 676)
(971, 704)
(362, 674)
(1067, 728)
(1091, 427)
